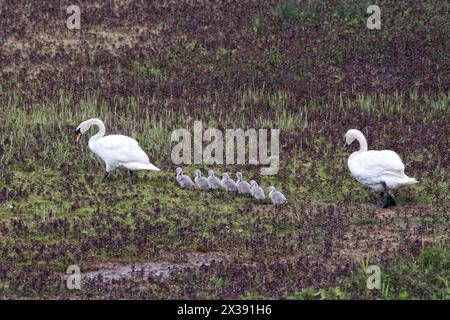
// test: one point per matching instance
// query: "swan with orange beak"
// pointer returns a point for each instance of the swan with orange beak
(117, 151)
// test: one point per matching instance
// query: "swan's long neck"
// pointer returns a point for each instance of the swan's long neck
(362, 142)
(362, 145)
(101, 129)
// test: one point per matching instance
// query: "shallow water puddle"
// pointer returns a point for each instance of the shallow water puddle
(153, 269)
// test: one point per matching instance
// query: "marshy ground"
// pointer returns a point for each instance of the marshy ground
(312, 70)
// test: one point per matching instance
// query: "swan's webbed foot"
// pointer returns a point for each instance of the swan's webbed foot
(388, 200)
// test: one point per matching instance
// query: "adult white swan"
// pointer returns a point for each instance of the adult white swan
(379, 170)
(115, 150)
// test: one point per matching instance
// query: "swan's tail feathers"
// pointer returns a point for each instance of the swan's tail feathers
(409, 181)
(151, 167)
(413, 180)
(141, 166)
(404, 179)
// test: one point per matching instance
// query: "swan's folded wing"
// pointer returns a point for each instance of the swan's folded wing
(121, 149)
(376, 163)
(114, 142)
(396, 173)
(133, 154)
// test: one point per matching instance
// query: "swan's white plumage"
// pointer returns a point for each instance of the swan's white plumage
(117, 150)
(373, 167)
(121, 151)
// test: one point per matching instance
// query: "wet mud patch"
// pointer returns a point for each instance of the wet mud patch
(144, 270)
